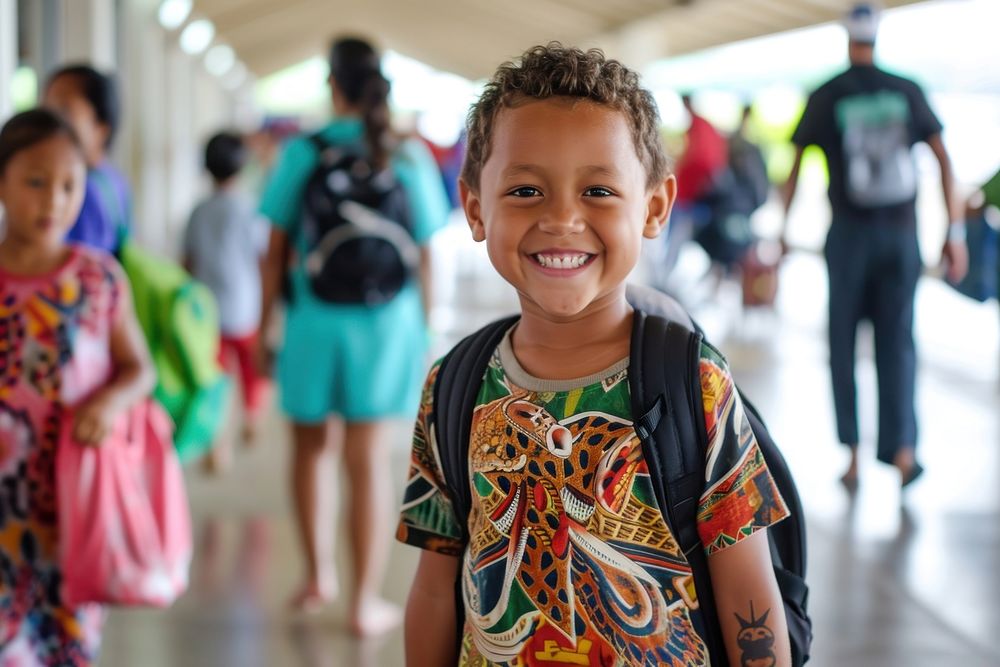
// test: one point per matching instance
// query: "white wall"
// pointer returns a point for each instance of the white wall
(8, 53)
(89, 33)
(144, 139)
(171, 104)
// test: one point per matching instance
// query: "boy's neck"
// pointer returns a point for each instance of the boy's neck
(226, 185)
(554, 349)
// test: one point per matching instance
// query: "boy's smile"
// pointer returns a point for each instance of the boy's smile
(559, 262)
(563, 204)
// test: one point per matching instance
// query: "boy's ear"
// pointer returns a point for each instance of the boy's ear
(473, 211)
(660, 203)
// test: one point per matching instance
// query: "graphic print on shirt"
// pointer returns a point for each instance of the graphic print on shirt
(570, 560)
(876, 139)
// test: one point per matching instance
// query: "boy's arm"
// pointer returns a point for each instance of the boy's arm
(430, 630)
(749, 604)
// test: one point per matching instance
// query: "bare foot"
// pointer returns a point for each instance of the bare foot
(312, 598)
(218, 460)
(909, 469)
(249, 433)
(850, 477)
(849, 480)
(910, 475)
(375, 617)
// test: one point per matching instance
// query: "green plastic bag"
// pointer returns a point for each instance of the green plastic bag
(180, 320)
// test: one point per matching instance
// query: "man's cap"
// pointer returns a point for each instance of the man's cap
(861, 23)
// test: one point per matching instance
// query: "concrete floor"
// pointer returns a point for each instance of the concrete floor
(895, 581)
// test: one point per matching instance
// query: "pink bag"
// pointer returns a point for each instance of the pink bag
(124, 522)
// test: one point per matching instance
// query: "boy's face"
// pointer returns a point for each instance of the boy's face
(563, 204)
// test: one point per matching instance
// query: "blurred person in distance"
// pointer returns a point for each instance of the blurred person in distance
(866, 121)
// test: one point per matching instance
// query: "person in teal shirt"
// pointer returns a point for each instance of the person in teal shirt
(344, 370)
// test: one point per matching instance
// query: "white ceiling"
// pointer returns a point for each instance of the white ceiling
(471, 37)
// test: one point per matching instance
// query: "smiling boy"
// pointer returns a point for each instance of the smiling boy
(566, 558)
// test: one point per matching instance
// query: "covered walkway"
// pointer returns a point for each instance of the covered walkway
(896, 582)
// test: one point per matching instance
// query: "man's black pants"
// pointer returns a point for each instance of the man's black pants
(873, 269)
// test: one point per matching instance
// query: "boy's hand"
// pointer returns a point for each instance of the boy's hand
(431, 620)
(94, 420)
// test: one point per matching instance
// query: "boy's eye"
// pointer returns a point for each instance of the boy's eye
(36, 183)
(525, 191)
(597, 191)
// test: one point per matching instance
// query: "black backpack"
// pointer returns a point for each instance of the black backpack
(357, 228)
(737, 191)
(749, 170)
(664, 382)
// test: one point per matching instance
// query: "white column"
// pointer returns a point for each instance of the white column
(143, 142)
(8, 54)
(182, 163)
(89, 33)
(216, 104)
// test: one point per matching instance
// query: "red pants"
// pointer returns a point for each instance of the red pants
(236, 355)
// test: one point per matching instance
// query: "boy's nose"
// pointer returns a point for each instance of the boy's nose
(561, 219)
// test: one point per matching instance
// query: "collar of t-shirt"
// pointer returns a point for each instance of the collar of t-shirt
(520, 377)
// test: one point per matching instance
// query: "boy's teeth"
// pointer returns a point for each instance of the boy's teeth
(562, 261)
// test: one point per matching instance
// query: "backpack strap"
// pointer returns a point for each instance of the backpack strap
(665, 384)
(456, 389)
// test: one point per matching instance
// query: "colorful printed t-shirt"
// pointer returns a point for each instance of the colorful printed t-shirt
(570, 561)
(54, 353)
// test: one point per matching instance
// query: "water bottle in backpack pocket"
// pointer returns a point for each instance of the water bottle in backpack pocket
(357, 229)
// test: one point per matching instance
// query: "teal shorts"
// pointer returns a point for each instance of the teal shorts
(359, 363)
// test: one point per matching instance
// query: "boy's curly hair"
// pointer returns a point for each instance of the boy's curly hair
(559, 71)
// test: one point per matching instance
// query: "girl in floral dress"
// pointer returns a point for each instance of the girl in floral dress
(70, 350)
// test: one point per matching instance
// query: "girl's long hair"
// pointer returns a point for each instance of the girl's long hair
(355, 67)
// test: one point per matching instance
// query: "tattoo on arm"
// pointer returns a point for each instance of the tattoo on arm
(756, 641)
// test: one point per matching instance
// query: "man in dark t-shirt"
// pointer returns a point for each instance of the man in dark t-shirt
(866, 121)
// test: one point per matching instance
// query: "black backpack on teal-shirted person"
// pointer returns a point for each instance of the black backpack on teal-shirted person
(664, 383)
(357, 226)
